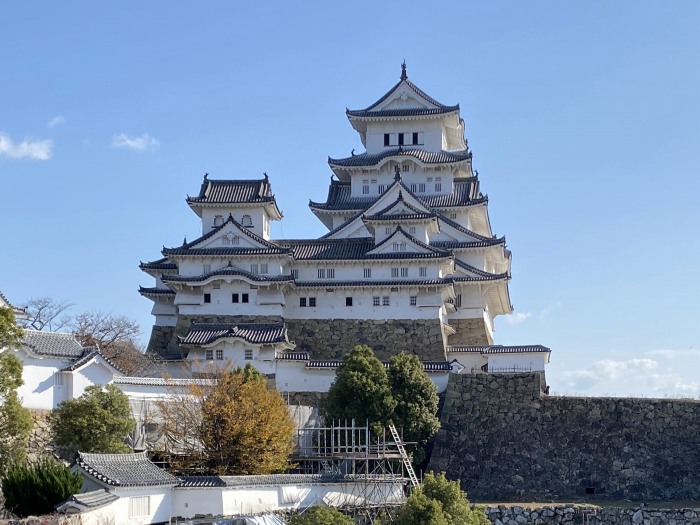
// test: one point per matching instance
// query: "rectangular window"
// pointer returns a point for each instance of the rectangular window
(438, 186)
(248, 354)
(58, 379)
(244, 297)
(375, 301)
(381, 188)
(312, 302)
(253, 268)
(295, 274)
(400, 139)
(321, 273)
(236, 239)
(207, 268)
(348, 301)
(385, 300)
(458, 300)
(373, 181)
(421, 187)
(394, 272)
(368, 273)
(430, 179)
(139, 506)
(220, 355)
(453, 215)
(414, 300)
(216, 286)
(406, 168)
(395, 246)
(207, 297)
(234, 298)
(386, 139)
(404, 272)
(330, 273)
(414, 188)
(302, 301)
(263, 268)
(402, 247)
(387, 230)
(412, 230)
(415, 138)
(209, 354)
(423, 271)
(365, 189)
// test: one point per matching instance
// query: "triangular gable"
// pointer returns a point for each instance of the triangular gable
(99, 359)
(399, 207)
(228, 230)
(404, 96)
(400, 241)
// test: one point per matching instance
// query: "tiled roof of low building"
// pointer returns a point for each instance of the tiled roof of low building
(268, 479)
(52, 344)
(255, 333)
(124, 470)
(477, 271)
(428, 366)
(228, 270)
(162, 381)
(234, 191)
(497, 349)
(441, 157)
(292, 356)
(88, 500)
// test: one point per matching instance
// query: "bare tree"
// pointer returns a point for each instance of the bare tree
(47, 314)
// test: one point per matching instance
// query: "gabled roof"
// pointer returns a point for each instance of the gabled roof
(425, 157)
(374, 111)
(228, 270)
(497, 349)
(90, 352)
(348, 249)
(52, 344)
(161, 264)
(124, 470)
(399, 231)
(389, 213)
(87, 501)
(254, 333)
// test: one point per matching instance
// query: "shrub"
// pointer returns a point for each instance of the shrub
(318, 515)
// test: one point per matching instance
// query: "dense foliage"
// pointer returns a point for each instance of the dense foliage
(318, 515)
(245, 427)
(15, 421)
(98, 421)
(439, 501)
(35, 490)
(361, 391)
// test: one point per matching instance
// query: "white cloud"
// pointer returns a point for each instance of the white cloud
(674, 353)
(143, 143)
(56, 121)
(638, 377)
(27, 149)
(518, 318)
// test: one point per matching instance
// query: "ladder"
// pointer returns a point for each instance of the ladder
(406, 460)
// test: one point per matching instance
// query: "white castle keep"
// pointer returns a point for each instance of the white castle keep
(410, 262)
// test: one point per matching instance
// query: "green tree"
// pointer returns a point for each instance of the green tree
(245, 427)
(361, 390)
(15, 420)
(37, 489)
(319, 515)
(97, 421)
(441, 501)
(416, 401)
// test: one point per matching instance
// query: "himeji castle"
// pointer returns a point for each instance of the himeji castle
(410, 262)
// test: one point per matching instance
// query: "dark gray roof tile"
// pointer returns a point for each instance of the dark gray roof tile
(124, 470)
(426, 157)
(497, 349)
(52, 344)
(233, 191)
(228, 270)
(88, 500)
(254, 333)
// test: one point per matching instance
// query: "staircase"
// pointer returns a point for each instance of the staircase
(406, 460)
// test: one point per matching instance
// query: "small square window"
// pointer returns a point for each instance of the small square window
(394, 272)
(263, 268)
(234, 298)
(414, 300)
(312, 301)
(387, 230)
(330, 273)
(302, 301)
(385, 300)
(404, 272)
(220, 355)
(248, 354)
(209, 354)
(412, 230)
(423, 271)
(253, 268)
(207, 297)
(375, 301)
(348, 301)
(244, 297)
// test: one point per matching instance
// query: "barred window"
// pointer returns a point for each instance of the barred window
(209, 354)
(348, 301)
(321, 273)
(302, 301)
(412, 230)
(423, 271)
(414, 300)
(375, 301)
(244, 297)
(387, 230)
(263, 268)
(220, 355)
(295, 274)
(404, 272)
(330, 273)
(248, 354)
(139, 506)
(312, 301)
(254, 268)
(207, 298)
(368, 273)
(394, 272)
(385, 300)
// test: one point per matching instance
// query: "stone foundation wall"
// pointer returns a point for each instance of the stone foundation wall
(333, 338)
(506, 441)
(590, 515)
(469, 332)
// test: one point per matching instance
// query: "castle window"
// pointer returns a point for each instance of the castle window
(236, 239)
(400, 139)
(330, 273)
(263, 268)
(365, 187)
(321, 273)
(207, 268)
(406, 168)
(385, 300)
(207, 297)
(430, 179)
(404, 272)
(218, 220)
(415, 138)
(395, 246)
(254, 268)
(387, 139)
(225, 240)
(373, 181)
(312, 302)
(247, 221)
(368, 273)
(244, 297)
(412, 230)
(58, 379)
(248, 354)
(413, 300)
(302, 302)
(348, 301)
(402, 247)
(216, 286)
(414, 188)
(295, 274)
(387, 230)
(139, 506)
(438, 184)
(220, 355)
(423, 271)
(453, 215)
(458, 300)
(421, 187)
(209, 354)
(394, 272)
(375, 300)
(234, 298)
(381, 188)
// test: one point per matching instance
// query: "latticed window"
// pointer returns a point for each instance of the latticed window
(220, 355)
(387, 230)
(209, 354)
(139, 506)
(248, 354)
(412, 230)
(321, 273)
(312, 301)
(263, 268)
(375, 301)
(295, 274)
(235, 240)
(330, 273)
(253, 268)
(385, 300)
(413, 300)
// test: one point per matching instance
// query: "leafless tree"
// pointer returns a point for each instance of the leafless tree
(47, 314)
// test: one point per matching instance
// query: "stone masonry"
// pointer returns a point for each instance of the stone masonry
(507, 441)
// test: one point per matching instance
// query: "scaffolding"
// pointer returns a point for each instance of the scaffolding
(375, 469)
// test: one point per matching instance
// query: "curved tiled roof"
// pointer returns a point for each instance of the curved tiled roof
(155, 291)
(52, 344)
(161, 381)
(224, 251)
(429, 366)
(497, 349)
(254, 333)
(385, 213)
(424, 156)
(477, 271)
(271, 479)
(88, 500)
(330, 283)
(228, 270)
(400, 230)
(233, 191)
(349, 249)
(161, 264)
(292, 356)
(124, 470)
(89, 353)
(451, 245)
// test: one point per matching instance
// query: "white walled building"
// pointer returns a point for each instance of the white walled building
(409, 263)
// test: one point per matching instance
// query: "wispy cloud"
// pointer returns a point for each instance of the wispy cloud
(517, 318)
(549, 309)
(674, 353)
(56, 121)
(638, 376)
(27, 149)
(143, 143)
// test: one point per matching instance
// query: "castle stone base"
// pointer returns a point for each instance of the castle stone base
(469, 332)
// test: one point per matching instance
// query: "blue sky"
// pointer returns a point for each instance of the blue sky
(584, 120)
